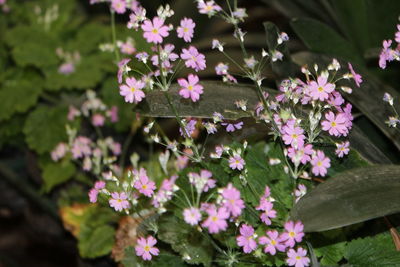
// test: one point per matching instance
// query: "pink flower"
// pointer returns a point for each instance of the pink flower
(98, 120)
(232, 201)
(190, 87)
(119, 201)
(81, 147)
(293, 135)
(113, 114)
(186, 29)
(127, 48)
(216, 220)
(320, 163)
(145, 185)
(67, 68)
(297, 258)
(236, 162)
(356, 77)
(397, 34)
(272, 241)
(231, 127)
(168, 56)
(193, 59)
(122, 68)
(155, 31)
(300, 191)
(93, 195)
(266, 206)
(115, 148)
(321, 89)
(192, 216)
(301, 154)
(72, 113)
(221, 69)
(209, 7)
(181, 162)
(342, 149)
(387, 54)
(145, 248)
(100, 185)
(190, 127)
(335, 125)
(294, 233)
(246, 238)
(202, 181)
(119, 6)
(132, 90)
(59, 152)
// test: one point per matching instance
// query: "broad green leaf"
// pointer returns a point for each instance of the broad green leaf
(11, 131)
(19, 94)
(321, 38)
(378, 250)
(353, 23)
(45, 127)
(350, 197)
(57, 173)
(185, 240)
(96, 242)
(32, 46)
(162, 260)
(331, 254)
(217, 97)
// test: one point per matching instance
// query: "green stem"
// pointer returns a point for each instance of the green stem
(114, 36)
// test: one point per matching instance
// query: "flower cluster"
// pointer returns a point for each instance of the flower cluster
(70, 60)
(95, 155)
(388, 53)
(120, 6)
(4, 7)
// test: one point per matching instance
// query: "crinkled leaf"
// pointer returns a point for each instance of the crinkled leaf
(217, 97)
(185, 240)
(32, 46)
(19, 95)
(57, 173)
(350, 197)
(11, 131)
(331, 254)
(96, 242)
(321, 38)
(45, 128)
(372, 251)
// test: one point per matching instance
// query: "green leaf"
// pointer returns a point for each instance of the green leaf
(373, 251)
(331, 254)
(185, 240)
(217, 97)
(57, 173)
(162, 260)
(32, 46)
(19, 94)
(321, 38)
(350, 197)
(45, 128)
(11, 131)
(96, 242)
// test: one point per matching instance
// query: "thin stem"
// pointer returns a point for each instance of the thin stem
(125, 148)
(114, 35)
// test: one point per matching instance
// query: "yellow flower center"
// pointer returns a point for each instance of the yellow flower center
(333, 124)
(194, 58)
(133, 89)
(190, 88)
(298, 258)
(214, 218)
(320, 89)
(295, 136)
(185, 29)
(155, 31)
(319, 163)
(209, 8)
(144, 186)
(292, 234)
(146, 248)
(232, 201)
